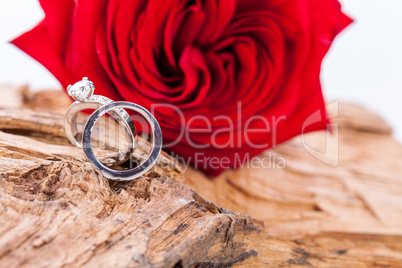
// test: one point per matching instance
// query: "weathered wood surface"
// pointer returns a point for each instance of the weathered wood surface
(56, 210)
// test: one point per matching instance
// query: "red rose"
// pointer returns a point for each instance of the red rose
(206, 57)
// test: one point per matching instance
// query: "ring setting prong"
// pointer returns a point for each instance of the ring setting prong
(82, 90)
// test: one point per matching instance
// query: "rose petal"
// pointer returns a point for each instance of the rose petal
(39, 45)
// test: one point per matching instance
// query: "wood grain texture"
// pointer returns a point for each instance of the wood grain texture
(56, 210)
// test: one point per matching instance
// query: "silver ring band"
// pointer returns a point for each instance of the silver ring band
(82, 92)
(96, 101)
(123, 175)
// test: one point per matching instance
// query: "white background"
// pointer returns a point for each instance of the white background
(364, 65)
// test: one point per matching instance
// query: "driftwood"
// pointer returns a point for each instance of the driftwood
(57, 210)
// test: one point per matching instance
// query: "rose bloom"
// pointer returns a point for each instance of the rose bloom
(239, 76)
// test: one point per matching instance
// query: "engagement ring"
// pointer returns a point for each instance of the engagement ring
(82, 93)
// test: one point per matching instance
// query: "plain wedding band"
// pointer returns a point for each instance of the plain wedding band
(123, 175)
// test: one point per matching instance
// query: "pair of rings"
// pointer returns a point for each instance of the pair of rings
(82, 93)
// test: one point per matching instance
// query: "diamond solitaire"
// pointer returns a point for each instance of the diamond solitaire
(82, 90)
